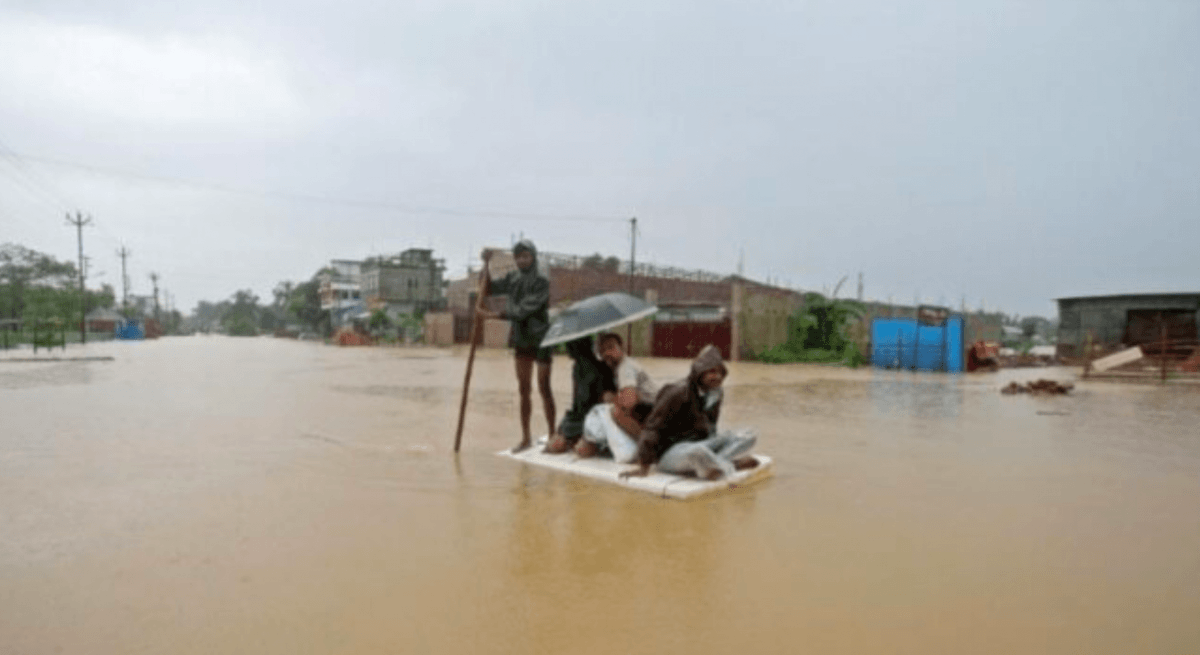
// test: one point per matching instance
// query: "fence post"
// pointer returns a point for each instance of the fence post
(1087, 355)
(1162, 350)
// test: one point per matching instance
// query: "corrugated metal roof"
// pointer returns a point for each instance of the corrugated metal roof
(1114, 296)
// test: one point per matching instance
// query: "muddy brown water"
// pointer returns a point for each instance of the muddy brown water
(218, 495)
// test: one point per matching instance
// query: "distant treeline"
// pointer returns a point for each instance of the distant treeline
(295, 306)
(34, 286)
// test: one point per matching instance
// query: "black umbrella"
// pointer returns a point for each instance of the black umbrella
(596, 314)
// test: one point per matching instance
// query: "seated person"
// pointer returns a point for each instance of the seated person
(592, 379)
(680, 434)
(616, 425)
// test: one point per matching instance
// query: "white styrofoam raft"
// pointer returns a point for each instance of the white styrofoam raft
(657, 482)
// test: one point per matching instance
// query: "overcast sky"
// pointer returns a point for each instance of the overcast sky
(1008, 152)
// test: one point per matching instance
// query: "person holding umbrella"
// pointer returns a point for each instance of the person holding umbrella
(528, 310)
(583, 319)
(592, 381)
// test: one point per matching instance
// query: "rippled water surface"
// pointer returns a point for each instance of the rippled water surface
(217, 495)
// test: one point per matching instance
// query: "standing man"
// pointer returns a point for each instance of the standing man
(681, 432)
(528, 310)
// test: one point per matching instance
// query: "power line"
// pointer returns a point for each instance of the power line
(20, 181)
(331, 200)
(38, 181)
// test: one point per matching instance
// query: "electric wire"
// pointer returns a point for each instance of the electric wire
(313, 198)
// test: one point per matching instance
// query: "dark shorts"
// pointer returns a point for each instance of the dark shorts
(533, 352)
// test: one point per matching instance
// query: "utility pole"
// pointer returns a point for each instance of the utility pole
(124, 253)
(154, 280)
(860, 287)
(632, 251)
(632, 269)
(79, 221)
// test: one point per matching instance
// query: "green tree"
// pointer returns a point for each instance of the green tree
(243, 316)
(23, 269)
(819, 332)
(304, 303)
(379, 321)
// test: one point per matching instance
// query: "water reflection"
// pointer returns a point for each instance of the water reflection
(915, 395)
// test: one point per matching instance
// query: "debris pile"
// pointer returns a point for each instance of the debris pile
(1038, 388)
(348, 337)
(1192, 364)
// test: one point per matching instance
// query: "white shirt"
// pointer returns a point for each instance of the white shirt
(630, 374)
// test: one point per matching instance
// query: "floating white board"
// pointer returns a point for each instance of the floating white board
(657, 483)
(1116, 359)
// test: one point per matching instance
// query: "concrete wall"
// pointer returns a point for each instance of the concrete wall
(386, 284)
(568, 285)
(760, 317)
(439, 328)
(639, 336)
(495, 333)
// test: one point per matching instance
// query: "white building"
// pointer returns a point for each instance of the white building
(341, 291)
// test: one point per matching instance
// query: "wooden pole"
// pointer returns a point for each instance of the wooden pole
(462, 408)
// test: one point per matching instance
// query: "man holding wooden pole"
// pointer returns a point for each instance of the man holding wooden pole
(528, 309)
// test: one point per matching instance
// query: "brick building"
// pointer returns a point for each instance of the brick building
(697, 307)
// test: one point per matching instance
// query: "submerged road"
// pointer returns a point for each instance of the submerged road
(221, 495)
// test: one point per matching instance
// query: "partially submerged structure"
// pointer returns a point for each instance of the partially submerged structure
(697, 307)
(1162, 324)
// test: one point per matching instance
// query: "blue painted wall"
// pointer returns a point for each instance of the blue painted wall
(903, 343)
(130, 330)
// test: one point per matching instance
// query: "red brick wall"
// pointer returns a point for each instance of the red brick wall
(569, 285)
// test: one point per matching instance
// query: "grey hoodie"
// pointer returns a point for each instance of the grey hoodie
(680, 413)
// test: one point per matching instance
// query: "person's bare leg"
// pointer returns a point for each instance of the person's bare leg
(557, 444)
(524, 387)
(746, 462)
(543, 376)
(626, 421)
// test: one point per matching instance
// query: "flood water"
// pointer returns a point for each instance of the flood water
(220, 495)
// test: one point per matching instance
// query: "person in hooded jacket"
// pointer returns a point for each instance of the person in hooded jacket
(528, 311)
(681, 432)
(592, 379)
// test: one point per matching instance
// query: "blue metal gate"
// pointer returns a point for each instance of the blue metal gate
(905, 343)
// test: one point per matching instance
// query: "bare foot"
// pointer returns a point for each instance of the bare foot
(524, 445)
(744, 463)
(585, 449)
(557, 445)
(714, 474)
